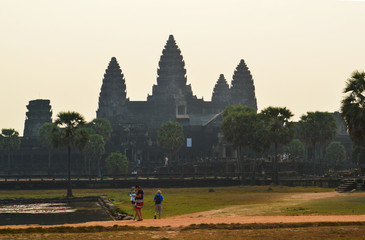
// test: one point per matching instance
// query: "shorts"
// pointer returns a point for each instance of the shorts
(139, 205)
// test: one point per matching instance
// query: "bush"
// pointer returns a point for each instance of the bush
(335, 152)
(116, 163)
(295, 148)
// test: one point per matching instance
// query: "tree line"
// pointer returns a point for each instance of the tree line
(72, 132)
(273, 128)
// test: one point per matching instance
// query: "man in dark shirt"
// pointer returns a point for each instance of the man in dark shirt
(139, 202)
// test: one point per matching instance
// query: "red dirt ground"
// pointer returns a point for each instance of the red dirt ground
(186, 221)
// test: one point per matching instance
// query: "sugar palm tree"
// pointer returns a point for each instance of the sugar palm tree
(317, 128)
(353, 108)
(45, 139)
(9, 141)
(102, 127)
(70, 134)
(94, 150)
(238, 129)
(281, 130)
(171, 137)
(260, 142)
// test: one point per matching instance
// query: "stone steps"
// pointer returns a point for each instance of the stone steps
(351, 184)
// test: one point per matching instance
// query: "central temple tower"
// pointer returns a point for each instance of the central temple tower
(171, 80)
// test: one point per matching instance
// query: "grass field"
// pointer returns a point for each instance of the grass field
(251, 200)
(347, 204)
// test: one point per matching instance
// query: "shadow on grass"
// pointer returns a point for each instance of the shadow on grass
(222, 226)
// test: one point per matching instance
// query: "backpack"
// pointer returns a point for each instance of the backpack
(158, 199)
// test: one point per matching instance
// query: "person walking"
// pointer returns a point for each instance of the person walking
(139, 202)
(158, 204)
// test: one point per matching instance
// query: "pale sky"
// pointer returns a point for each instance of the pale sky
(300, 52)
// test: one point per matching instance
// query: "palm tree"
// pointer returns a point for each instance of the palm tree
(102, 127)
(260, 142)
(171, 137)
(45, 139)
(70, 134)
(281, 130)
(238, 129)
(353, 108)
(9, 141)
(317, 128)
(94, 150)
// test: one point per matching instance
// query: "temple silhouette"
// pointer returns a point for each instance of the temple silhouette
(135, 123)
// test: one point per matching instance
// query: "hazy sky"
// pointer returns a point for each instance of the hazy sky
(300, 52)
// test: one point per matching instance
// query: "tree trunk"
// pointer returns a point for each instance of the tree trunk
(69, 187)
(89, 163)
(314, 158)
(253, 177)
(320, 158)
(9, 162)
(306, 152)
(99, 171)
(49, 161)
(85, 168)
(240, 166)
(275, 163)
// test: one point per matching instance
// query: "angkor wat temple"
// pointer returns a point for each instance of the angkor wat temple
(135, 123)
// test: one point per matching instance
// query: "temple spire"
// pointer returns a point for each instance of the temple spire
(242, 87)
(221, 92)
(113, 92)
(171, 66)
(171, 74)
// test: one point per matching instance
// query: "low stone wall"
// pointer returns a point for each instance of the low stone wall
(114, 212)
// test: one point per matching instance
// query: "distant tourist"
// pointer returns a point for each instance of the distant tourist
(158, 204)
(132, 194)
(139, 202)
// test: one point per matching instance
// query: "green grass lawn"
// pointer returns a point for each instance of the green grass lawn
(348, 204)
(190, 200)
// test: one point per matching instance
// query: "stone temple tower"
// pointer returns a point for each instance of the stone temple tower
(171, 79)
(39, 112)
(242, 87)
(113, 94)
(221, 93)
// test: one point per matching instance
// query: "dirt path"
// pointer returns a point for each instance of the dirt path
(234, 214)
(183, 222)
